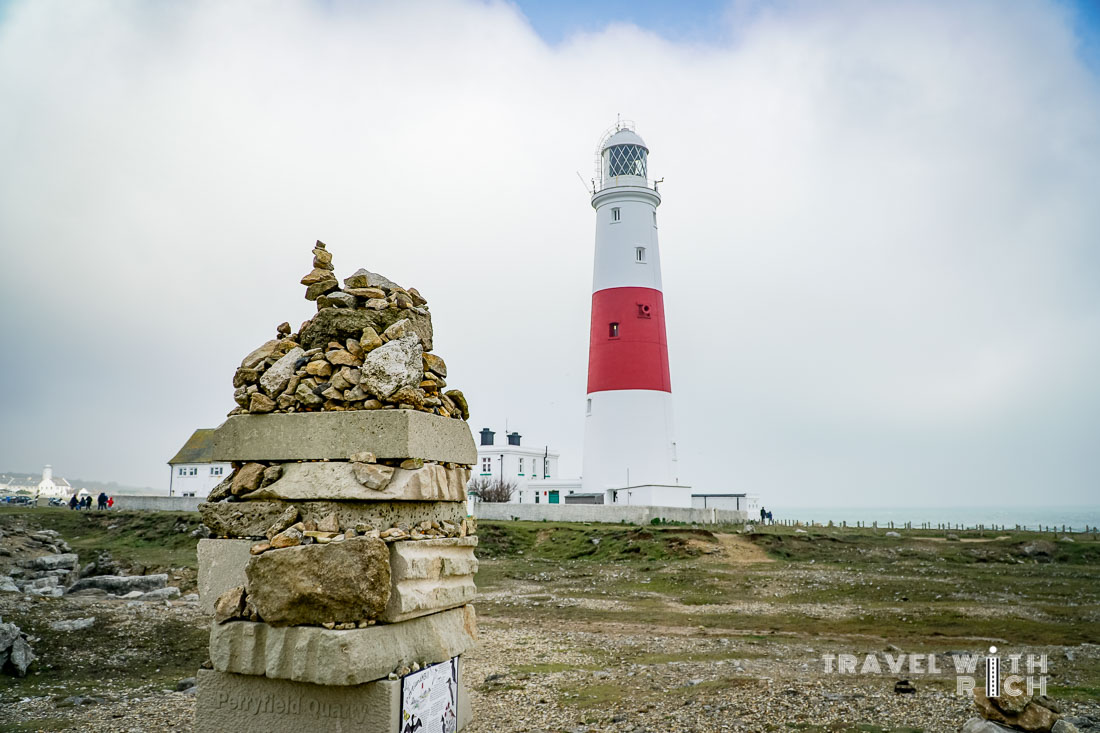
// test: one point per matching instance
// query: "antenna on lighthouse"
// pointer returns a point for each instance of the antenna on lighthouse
(591, 190)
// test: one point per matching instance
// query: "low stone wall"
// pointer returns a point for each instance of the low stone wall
(158, 503)
(606, 513)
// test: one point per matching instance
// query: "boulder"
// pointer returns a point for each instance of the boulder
(121, 584)
(7, 585)
(275, 379)
(76, 624)
(247, 478)
(67, 561)
(230, 605)
(977, 725)
(336, 299)
(257, 357)
(366, 279)
(1027, 717)
(313, 584)
(392, 366)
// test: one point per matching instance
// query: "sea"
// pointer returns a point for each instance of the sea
(1073, 518)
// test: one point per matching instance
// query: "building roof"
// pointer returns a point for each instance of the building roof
(199, 448)
(624, 137)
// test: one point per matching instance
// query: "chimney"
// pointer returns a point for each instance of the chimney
(487, 436)
(513, 438)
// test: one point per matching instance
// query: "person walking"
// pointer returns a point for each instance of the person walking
(72, 502)
(110, 501)
(102, 501)
(763, 515)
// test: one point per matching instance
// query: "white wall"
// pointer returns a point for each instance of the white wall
(627, 440)
(197, 479)
(604, 513)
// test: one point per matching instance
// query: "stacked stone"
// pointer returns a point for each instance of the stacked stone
(342, 558)
(366, 349)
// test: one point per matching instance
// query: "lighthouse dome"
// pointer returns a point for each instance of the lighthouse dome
(623, 137)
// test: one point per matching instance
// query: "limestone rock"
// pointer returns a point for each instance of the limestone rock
(341, 357)
(430, 576)
(363, 457)
(222, 490)
(319, 368)
(1028, 717)
(336, 299)
(257, 357)
(284, 328)
(433, 363)
(284, 522)
(977, 725)
(459, 399)
(247, 478)
(366, 279)
(275, 379)
(121, 584)
(259, 403)
(311, 584)
(340, 657)
(329, 524)
(271, 475)
(391, 366)
(316, 290)
(366, 293)
(230, 605)
(252, 518)
(372, 475)
(289, 537)
(397, 330)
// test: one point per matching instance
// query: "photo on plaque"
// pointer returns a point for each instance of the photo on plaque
(429, 699)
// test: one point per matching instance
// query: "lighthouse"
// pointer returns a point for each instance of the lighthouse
(629, 449)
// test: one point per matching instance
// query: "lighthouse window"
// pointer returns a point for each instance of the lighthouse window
(639, 254)
(626, 160)
(613, 330)
(588, 411)
(615, 214)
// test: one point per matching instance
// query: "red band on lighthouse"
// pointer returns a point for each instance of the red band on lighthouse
(627, 347)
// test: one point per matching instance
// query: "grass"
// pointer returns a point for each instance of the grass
(149, 539)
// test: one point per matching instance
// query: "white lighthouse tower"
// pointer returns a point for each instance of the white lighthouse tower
(629, 450)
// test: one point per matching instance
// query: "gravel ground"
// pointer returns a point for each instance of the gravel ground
(571, 677)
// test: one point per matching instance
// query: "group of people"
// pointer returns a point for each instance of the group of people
(103, 501)
(765, 516)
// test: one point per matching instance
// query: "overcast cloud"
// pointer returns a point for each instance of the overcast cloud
(879, 233)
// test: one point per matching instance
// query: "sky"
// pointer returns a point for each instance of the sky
(880, 236)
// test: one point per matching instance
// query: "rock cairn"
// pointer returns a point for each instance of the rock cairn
(368, 348)
(341, 558)
(1023, 712)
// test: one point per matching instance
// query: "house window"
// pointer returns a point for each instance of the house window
(193, 472)
(615, 215)
(521, 497)
(639, 254)
(613, 330)
(183, 472)
(216, 470)
(486, 466)
(520, 466)
(643, 310)
(536, 497)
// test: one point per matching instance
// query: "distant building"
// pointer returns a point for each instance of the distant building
(533, 470)
(53, 488)
(193, 473)
(736, 502)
